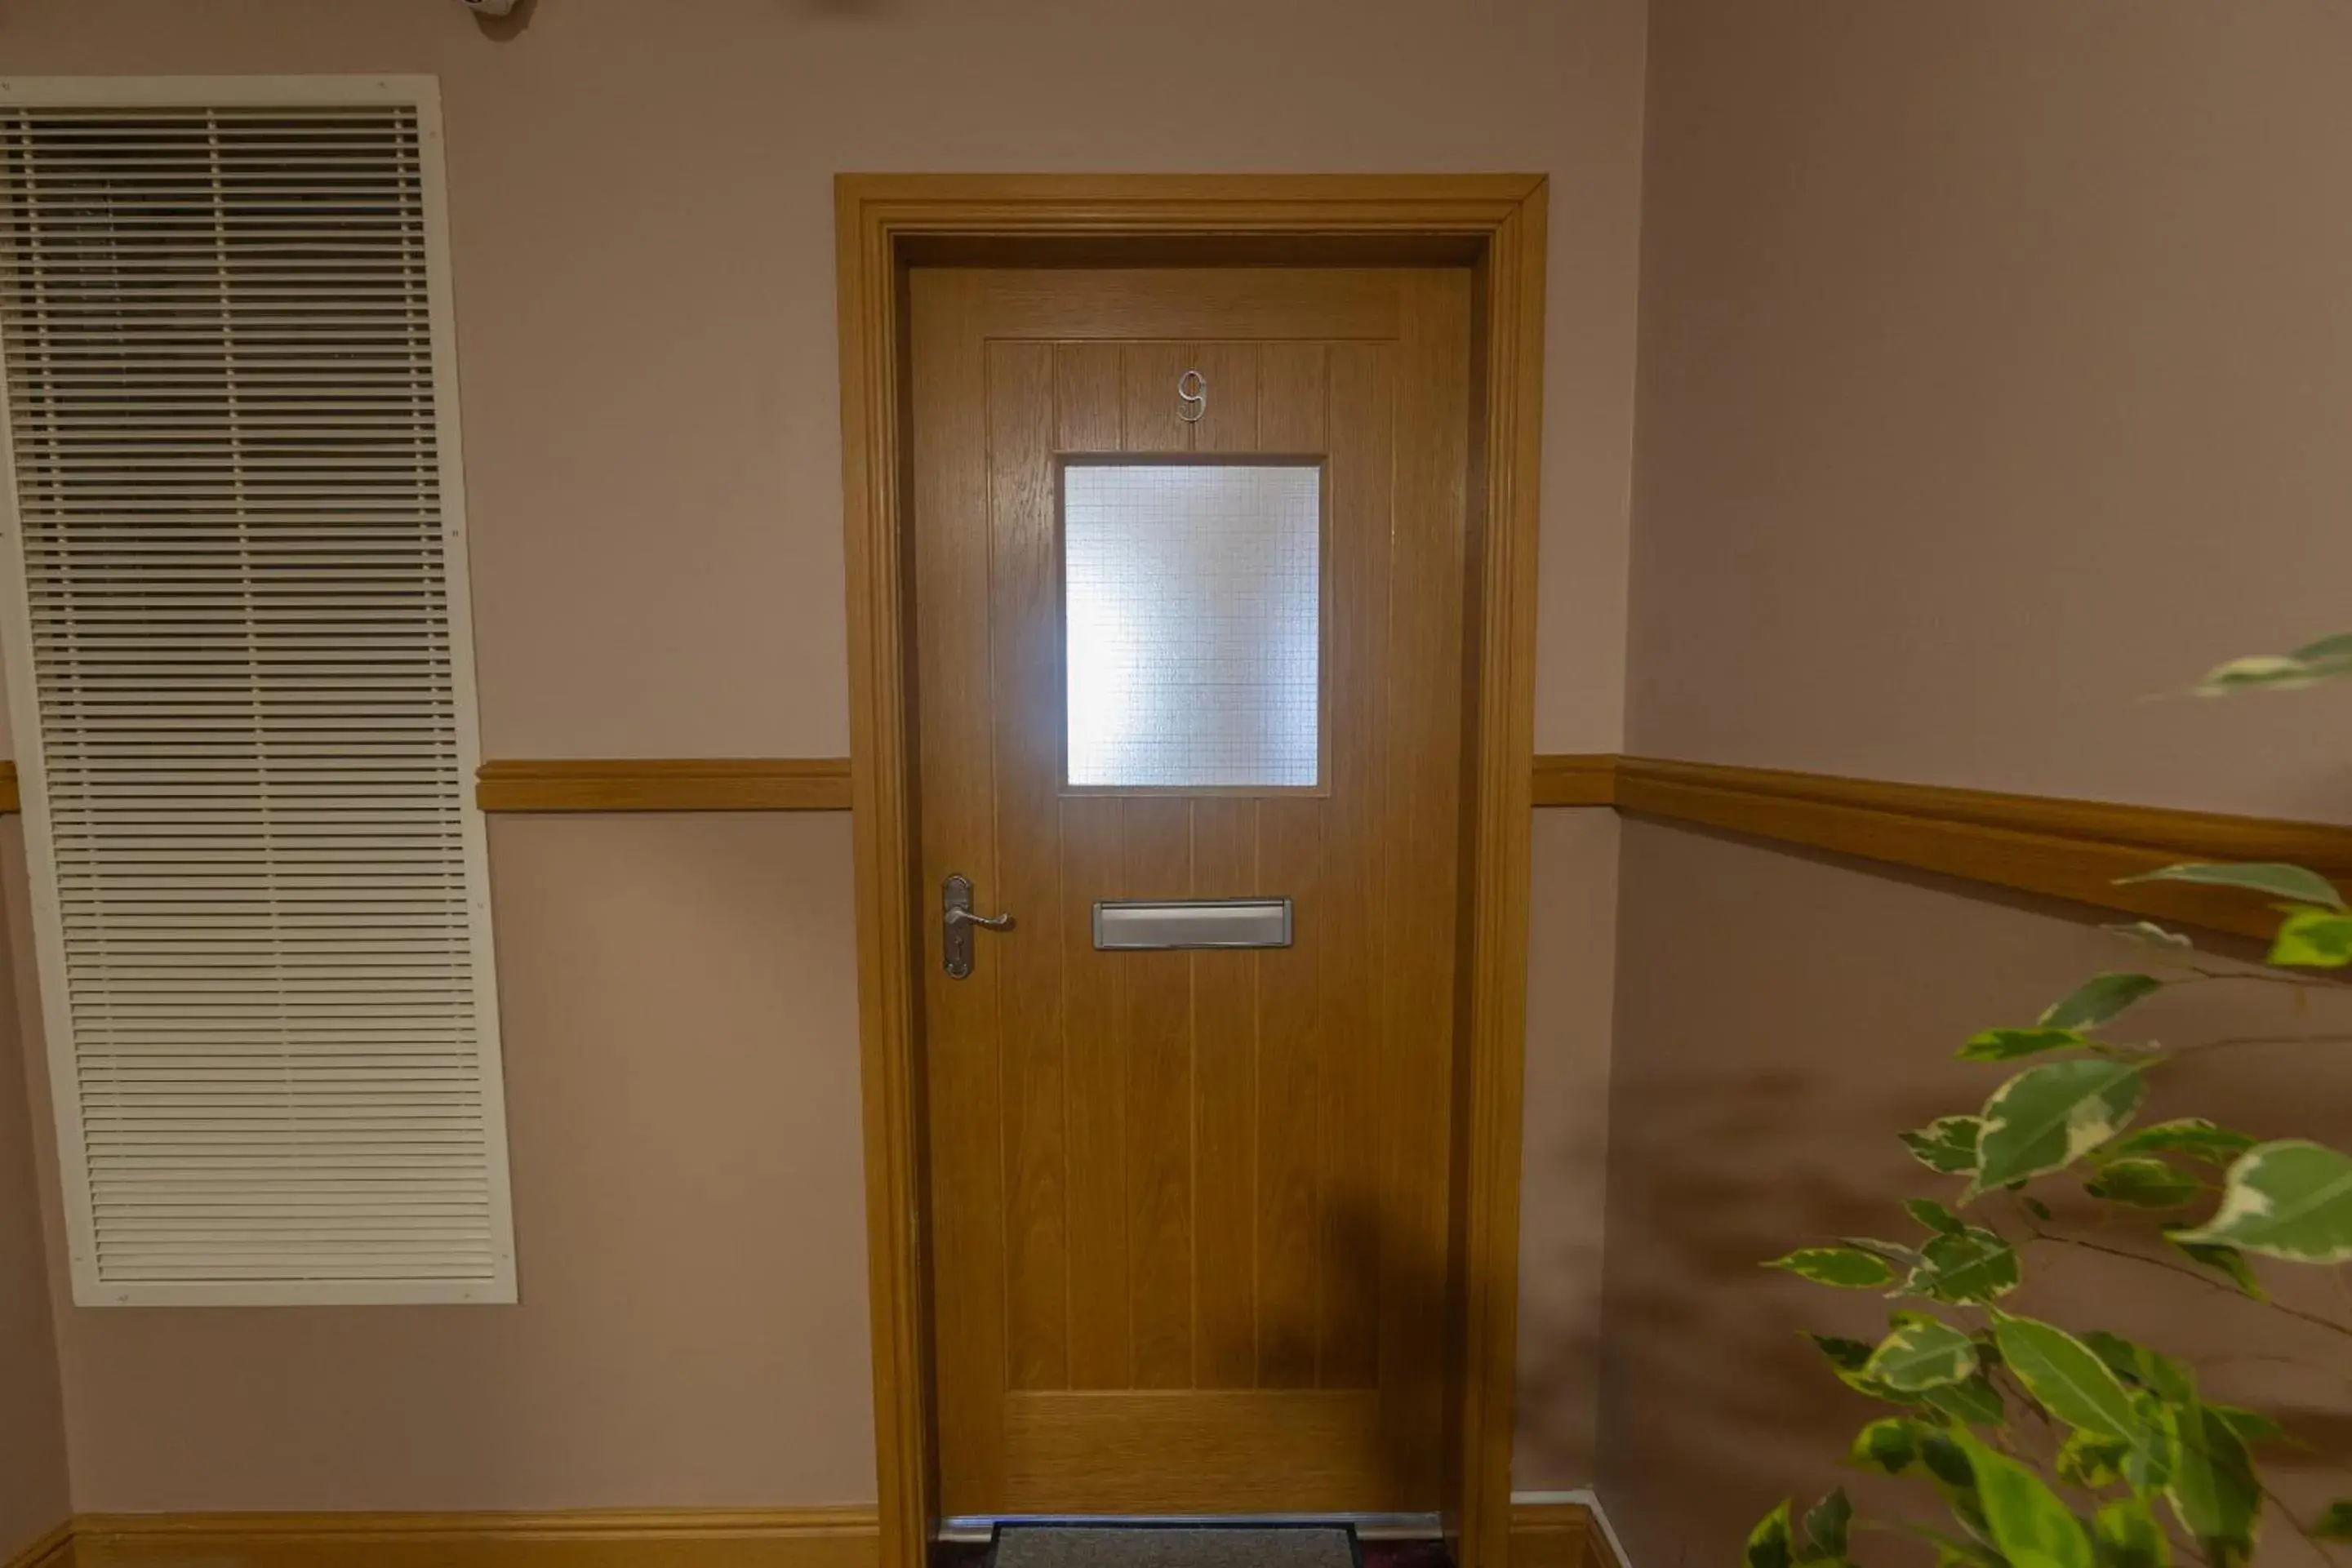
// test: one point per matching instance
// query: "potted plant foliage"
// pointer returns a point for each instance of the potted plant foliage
(2053, 1445)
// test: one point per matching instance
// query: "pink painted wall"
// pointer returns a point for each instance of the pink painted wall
(641, 208)
(1995, 358)
(1571, 975)
(1995, 365)
(642, 232)
(681, 1055)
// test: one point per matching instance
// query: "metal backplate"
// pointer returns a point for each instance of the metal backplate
(955, 944)
(1151, 925)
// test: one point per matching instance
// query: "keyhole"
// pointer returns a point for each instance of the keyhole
(1192, 391)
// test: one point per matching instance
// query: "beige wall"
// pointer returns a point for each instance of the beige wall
(679, 1012)
(641, 210)
(642, 236)
(1995, 358)
(33, 1489)
(1994, 364)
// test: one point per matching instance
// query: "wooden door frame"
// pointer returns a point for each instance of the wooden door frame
(1494, 224)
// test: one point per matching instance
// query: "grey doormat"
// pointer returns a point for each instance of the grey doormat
(1174, 1546)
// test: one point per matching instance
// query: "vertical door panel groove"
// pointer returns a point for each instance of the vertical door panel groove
(1088, 401)
(1026, 677)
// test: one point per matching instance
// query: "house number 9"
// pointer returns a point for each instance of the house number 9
(1192, 391)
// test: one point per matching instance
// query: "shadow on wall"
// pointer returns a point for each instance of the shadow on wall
(1560, 1318)
(1571, 945)
(1764, 1064)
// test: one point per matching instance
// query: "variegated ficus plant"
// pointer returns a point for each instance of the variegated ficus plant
(2073, 1448)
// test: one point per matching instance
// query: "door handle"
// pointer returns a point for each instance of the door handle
(955, 922)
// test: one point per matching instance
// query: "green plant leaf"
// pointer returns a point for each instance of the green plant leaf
(1849, 1268)
(1956, 1478)
(2030, 1528)
(1972, 1401)
(1849, 1358)
(1947, 1144)
(2148, 934)
(1769, 1545)
(2048, 1116)
(2271, 877)
(1845, 1354)
(1933, 1215)
(2214, 1491)
(1887, 1446)
(2275, 670)
(2068, 1377)
(1826, 1524)
(1945, 1461)
(2098, 1000)
(1922, 1353)
(2333, 653)
(2089, 1460)
(2148, 1467)
(2007, 1044)
(2124, 1534)
(2335, 1523)
(2142, 1367)
(2250, 1426)
(2143, 1183)
(2225, 1260)
(2307, 666)
(2191, 1135)
(2290, 1199)
(1969, 1267)
(1901, 1258)
(2314, 939)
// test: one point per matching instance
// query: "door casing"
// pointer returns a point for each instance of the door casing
(1493, 224)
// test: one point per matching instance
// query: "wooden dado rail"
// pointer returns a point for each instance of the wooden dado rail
(2066, 849)
(2076, 850)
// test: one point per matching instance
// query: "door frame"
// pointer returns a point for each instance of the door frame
(1494, 224)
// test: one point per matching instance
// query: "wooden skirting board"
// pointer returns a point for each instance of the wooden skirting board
(1559, 1535)
(2074, 850)
(635, 1538)
(52, 1549)
(1542, 1535)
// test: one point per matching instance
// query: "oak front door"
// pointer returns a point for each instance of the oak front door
(1188, 564)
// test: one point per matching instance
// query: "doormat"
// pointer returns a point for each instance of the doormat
(1174, 1546)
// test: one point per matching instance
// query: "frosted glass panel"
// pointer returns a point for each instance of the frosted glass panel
(1194, 595)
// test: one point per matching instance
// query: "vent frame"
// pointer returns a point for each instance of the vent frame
(480, 1173)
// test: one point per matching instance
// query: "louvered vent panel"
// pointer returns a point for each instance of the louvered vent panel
(264, 929)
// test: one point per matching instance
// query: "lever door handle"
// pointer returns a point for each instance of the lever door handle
(956, 922)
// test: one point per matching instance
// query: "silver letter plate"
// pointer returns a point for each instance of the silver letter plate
(1130, 924)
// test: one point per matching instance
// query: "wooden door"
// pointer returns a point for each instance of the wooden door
(1187, 1211)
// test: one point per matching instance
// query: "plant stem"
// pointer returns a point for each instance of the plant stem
(2220, 976)
(2278, 1503)
(2263, 1040)
(2185, 1272)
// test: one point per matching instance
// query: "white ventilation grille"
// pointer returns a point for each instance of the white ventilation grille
(238, 659)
